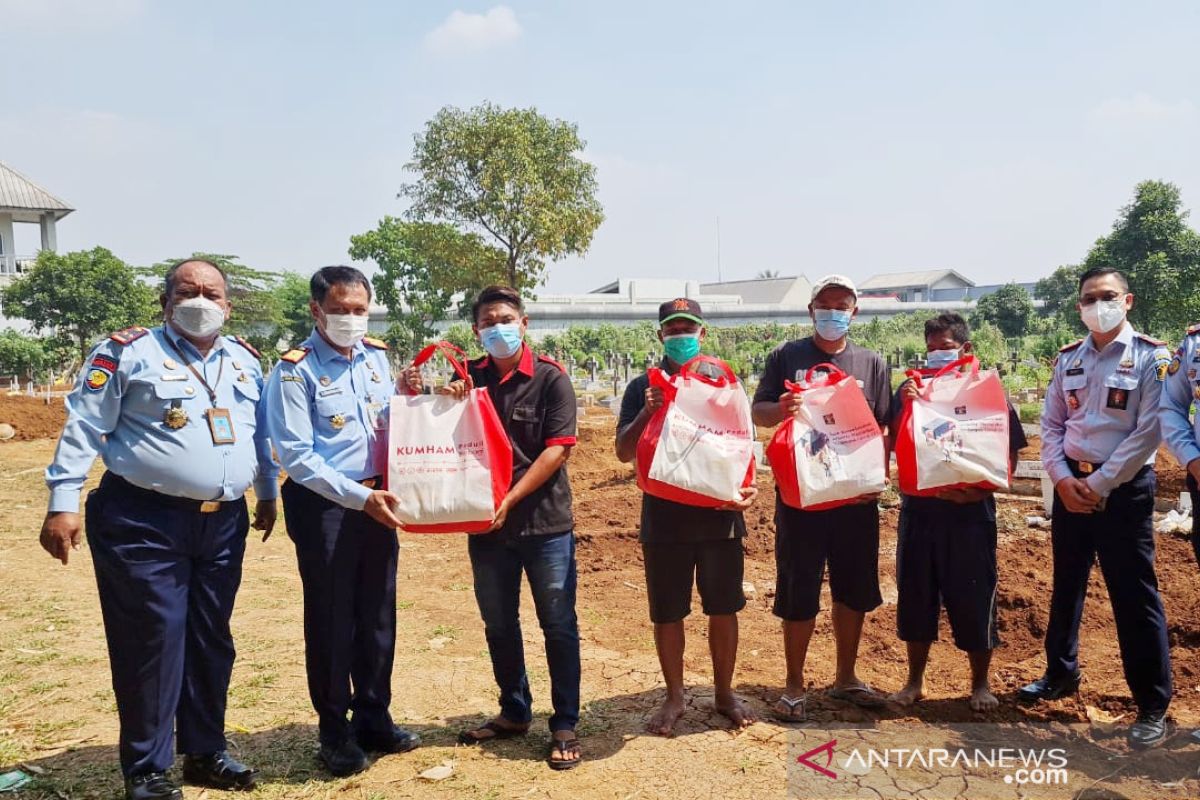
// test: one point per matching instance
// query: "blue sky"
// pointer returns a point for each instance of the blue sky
(998, 139)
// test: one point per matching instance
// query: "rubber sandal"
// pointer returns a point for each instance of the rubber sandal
(498, 733)
(792, 703)
(563, 747)
(862, 696)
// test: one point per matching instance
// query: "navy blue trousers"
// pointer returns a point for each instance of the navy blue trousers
(167, 577)
(549, 561)
(1122, 538)
(348, 567)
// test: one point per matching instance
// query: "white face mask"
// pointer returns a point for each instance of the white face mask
(198, 317)
(346, 330)
(1103, 316)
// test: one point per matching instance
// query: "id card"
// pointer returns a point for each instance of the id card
(220, 424)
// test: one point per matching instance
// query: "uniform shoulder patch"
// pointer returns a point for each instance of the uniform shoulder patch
(551, 361)
(99, 372)
(378, 344)
(1066, 348)
(1193, 330)
(1151, 340)
(249, 347)
(129, 335)
(295, 356)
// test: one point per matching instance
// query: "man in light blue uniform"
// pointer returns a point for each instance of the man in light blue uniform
(1100, 433)
(327, 413)
(174, 412)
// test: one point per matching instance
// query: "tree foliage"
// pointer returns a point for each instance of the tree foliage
(1152, 244)
(426, 269)
(1009, 308)
(512, 175)
(23, 355)
(81, 296)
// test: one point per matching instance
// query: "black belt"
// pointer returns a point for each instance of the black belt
(1084, 467)
(114, 482)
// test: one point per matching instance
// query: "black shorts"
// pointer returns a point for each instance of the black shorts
(716, 565)
(847, 537)
(946, 555)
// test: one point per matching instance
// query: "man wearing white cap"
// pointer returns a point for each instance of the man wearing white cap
(846, 537)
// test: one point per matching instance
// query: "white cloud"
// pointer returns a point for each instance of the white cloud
(1142, 108)
(464, 32)
(69, 14)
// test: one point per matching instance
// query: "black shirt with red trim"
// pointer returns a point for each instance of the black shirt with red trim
(536, 404)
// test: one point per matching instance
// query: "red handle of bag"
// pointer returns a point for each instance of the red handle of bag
(696, 361)
(833, 374)
(448, 351)
(916, 376)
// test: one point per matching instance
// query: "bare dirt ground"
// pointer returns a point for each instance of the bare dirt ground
(57, 713)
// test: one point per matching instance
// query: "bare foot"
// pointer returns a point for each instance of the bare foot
(910, 694)
(738, 712)
(663, 721)
(983, 700)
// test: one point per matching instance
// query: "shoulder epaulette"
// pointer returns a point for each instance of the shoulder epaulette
(378, 344)
(549, 360)
(1151, 340)
(1068, 347)
(295, 356)
(129, 335)
(1193, 330)
(248, 346)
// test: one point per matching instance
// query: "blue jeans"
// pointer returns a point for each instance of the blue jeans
(549, 561)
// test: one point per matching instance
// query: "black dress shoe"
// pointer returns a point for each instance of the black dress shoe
(1047, 689)
(343, 759)
(218, 771)
(1150, 730)
(151, 786)
(397, 740)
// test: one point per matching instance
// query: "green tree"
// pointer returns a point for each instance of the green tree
(512, 175)
(1152, 244)
(291, 301)
(81, 296)
(1059, 292)
(22, 355)
(1009, 308)
(425, 269)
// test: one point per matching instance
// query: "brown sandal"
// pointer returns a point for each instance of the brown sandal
(498, 732)
(563, 747)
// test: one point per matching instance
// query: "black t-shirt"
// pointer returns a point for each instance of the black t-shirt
(665, 521)
(985, 507)
(536, 404)
(791, 360)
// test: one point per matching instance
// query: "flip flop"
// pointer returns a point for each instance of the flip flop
(563, 747)
(862, 696)
(792, 703)
(498, 732)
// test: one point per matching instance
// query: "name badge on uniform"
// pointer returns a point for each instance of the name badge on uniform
(1118, 398)
(330, 392)
(1075, 371)
(220, 424)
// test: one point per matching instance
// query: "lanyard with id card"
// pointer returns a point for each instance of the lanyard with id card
(220, 422)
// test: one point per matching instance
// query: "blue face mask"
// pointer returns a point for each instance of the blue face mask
(831, 324)
(682, 347)
(936, 359)
(501, 341)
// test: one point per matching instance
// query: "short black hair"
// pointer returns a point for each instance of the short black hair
(948, 322)
(497, 294)
(327, 277)
(169, 278)
(1099, 272)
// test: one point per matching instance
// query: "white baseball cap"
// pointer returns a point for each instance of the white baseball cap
(834, 280)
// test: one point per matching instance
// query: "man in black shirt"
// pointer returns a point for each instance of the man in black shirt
(681, 543)
(534, 528)
(946, 549)
(846, 537)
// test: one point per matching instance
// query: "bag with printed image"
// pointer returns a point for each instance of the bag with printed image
(954, 433)
(449, 461)
(832, 451)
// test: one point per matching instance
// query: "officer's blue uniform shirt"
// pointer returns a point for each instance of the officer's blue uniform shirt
(328, 417)
(118, 410)
(1102, 407)
(1182, 387)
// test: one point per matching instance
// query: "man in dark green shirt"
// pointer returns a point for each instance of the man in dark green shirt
(682, 544)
